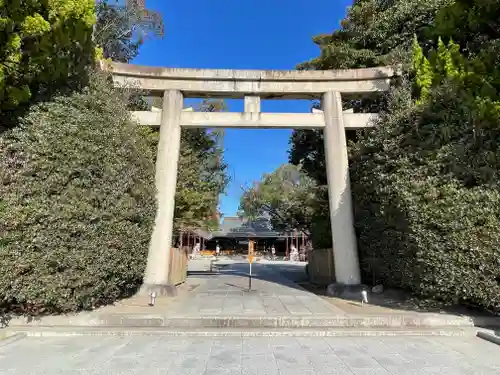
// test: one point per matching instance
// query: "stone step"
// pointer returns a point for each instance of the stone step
(490, 335)
(391, 321)
(139, 320)
(169, 332)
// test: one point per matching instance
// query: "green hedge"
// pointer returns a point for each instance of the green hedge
(77, 204)
(427, 202)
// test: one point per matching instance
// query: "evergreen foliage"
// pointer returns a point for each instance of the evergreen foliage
(425, 181)
(77, 187)
(287, 196)
(77, 204)
(44, 45)
(113, 33)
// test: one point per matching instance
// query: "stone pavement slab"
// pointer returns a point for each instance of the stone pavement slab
(249, 356)
(272, 294)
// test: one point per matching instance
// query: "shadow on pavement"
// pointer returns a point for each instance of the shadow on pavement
(285, 275)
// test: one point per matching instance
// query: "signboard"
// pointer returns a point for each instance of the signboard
(250, 261)
(250, 251)
(250, 247)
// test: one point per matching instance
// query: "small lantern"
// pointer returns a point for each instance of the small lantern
(152, 298)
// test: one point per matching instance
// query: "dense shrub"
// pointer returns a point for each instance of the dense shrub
(426, 180)
(77, 204)
(426, 197)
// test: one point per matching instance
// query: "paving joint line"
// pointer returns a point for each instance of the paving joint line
(13, 338)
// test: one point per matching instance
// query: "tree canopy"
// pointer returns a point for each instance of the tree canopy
(202, 175)
(45, 45)
(113, 33)
(121, 30)
(287, 196)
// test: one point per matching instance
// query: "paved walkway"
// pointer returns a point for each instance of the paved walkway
(249, 356)
(272, 295)
(275, 301)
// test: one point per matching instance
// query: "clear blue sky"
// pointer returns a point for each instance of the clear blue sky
(236, 34)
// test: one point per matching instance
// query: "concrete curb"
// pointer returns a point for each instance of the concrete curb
(489, 336)
(91, 331)
(12, 338)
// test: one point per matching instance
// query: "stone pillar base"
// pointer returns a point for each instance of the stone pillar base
(161, 290)
(351, 292)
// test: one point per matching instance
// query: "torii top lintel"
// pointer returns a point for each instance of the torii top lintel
(236, 83)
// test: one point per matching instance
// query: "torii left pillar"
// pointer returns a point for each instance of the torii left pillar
(156, 278)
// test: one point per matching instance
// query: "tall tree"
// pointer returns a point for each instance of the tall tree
(119, 32)
(114, 34)
(202, 175)
(373, 33)
(121, 29)
(287, 196)
(44, 46)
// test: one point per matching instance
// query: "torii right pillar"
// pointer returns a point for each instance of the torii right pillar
(345, 250)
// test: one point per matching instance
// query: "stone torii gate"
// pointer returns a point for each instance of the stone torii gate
(174, 84)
